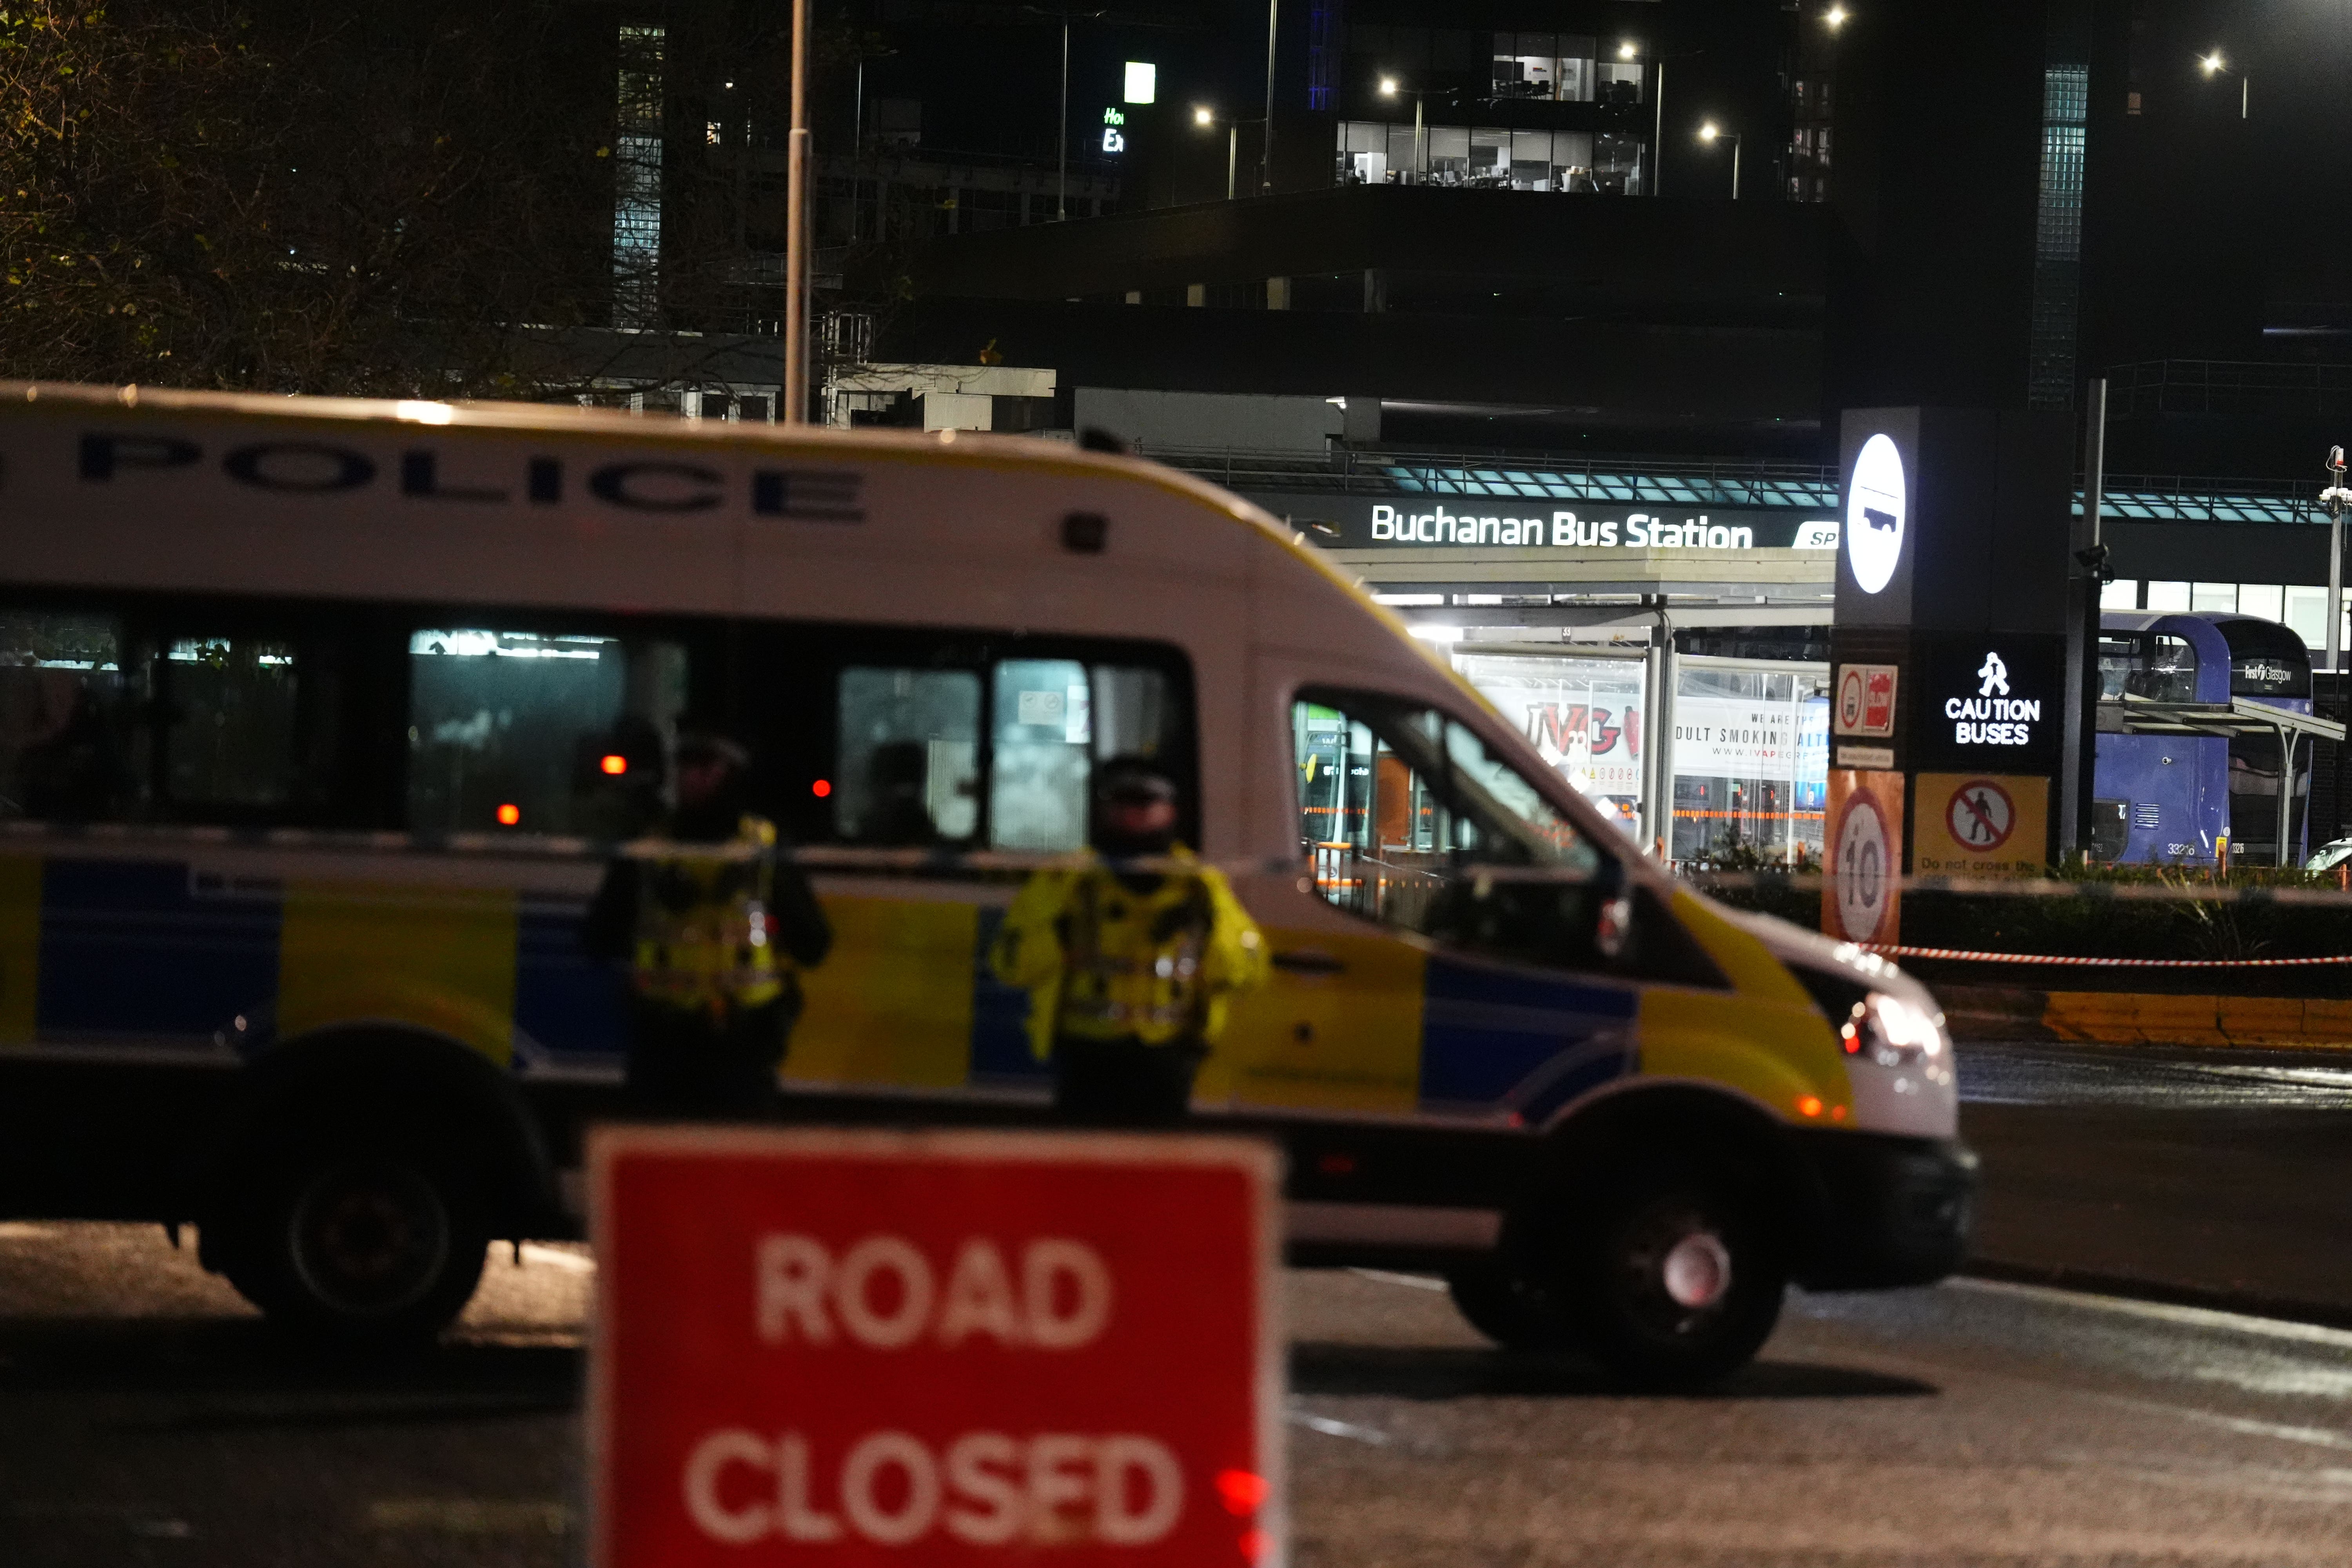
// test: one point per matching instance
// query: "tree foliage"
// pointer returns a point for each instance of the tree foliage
(207, 195)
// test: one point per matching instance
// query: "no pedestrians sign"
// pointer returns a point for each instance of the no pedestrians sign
(833, 1347)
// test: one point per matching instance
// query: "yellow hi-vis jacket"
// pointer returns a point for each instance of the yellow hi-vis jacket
(704, 938)
(1102, 961)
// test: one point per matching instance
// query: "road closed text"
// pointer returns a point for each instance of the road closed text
(884, 1293)
(893, 1489)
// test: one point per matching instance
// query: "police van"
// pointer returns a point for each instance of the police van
(319, 721)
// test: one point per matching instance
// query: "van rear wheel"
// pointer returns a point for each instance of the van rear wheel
(1674, 1277)
(370, 1247)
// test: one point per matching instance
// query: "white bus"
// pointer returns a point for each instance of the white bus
(309, 719)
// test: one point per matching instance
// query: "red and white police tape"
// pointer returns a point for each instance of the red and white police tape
(1959, 954)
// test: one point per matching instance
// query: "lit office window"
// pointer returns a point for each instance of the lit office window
(2213, 597)
(2123, 594)
(2167, 596)
(2263, 599)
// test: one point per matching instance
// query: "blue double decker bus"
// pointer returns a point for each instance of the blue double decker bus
(2165, 794)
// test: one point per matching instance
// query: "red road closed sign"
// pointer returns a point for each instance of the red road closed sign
(835, 1347)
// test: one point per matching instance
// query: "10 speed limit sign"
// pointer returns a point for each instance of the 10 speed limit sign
(1865, 864)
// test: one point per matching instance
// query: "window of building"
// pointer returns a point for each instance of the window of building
(2306, 614)
(2169, 596)
(523, 731)
(2210, 596)
(2123, 594)
(1618, 83)
(1487, 158)
(2264, 599)
(1406, 818)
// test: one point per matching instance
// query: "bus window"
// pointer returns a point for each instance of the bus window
(513, 730)
(1409, 820)
(62, 710)
(229, 722)
(2161, 669)
(909, 756)
(1053, 719)
(2170, 673)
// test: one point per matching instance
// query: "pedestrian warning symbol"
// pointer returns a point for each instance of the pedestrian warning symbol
(1980, 814)
(1979, 825)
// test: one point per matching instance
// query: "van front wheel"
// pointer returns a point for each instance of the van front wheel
(1674, 1277)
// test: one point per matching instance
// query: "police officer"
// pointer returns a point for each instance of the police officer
(1131, 958)
(713, 920)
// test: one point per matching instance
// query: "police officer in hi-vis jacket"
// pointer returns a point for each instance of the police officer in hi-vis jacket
(1131, 956)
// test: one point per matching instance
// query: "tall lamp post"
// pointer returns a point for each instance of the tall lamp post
(1206, 118)
(2333, 498)
(2212, 64)
(1390, 88)
(796, 237)
(1711, 133)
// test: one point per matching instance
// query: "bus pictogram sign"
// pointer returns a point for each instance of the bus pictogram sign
(1981, 815)
(951, 1348)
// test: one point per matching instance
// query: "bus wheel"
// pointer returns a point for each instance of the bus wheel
(366, 1247)
(1674, 1277)
(1510, 1309)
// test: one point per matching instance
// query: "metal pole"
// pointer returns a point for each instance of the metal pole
(1658, 174)
(2335, 558)
(1419, 175)
(2095, 490)
(1233, 155)
(797, 248)
(2287, 739)
(1735, 165)
(857, 148)
(1062, 134)
(2245, 91)
(1266, 148)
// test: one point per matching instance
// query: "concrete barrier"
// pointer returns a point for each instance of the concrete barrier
(2141, 1018)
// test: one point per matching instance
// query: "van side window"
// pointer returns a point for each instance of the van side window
(1053, 719)
(1407, 819)
(539, 732)
(909, 756)
(65, 752)
(230, 720)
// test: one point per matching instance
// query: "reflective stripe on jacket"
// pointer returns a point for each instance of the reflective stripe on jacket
(1101, 961)
(704, 935)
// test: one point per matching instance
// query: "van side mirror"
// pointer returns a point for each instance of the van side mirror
(1612, 925)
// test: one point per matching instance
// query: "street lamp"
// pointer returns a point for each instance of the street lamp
(2212, 64)
(1389, 87)
(1834, 17)
(1627, 49)
(1710, 133)
(1206, 117)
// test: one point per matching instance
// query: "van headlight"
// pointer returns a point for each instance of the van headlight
(1893, 1033)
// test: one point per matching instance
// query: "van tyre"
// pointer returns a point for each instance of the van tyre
(1673, 1278)
(367, 1247)
(1509, 1308)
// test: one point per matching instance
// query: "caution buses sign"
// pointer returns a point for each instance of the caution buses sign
(841, 1347)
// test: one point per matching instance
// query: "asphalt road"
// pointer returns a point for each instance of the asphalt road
(2216, 1177)
(148, 1418)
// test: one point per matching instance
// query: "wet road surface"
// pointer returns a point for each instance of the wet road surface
(146, 1417)
(2215, 1177)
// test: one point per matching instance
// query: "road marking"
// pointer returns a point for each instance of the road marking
(1330, 1429)
(2162, 1311)
(555, 1257)
(469, 1516)
(1418, 1282)
(15, 1231)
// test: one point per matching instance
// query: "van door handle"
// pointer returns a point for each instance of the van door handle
(1309, 960)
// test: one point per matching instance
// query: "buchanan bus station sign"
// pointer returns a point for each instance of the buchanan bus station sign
(1488, 523)
(852, 1347)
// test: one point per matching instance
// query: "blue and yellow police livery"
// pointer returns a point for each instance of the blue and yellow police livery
(320, 721)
